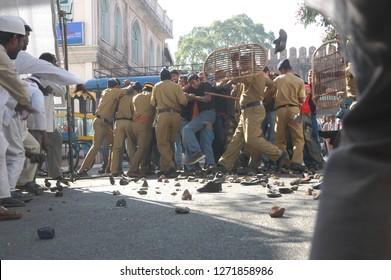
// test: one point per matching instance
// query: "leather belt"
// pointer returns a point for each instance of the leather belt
(128, 119)
(145, 118)
(250, 104)
(287, 105)
(106, 121)
(167, 110)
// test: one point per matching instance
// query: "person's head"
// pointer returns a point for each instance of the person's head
(309, 76)
(12, 33)
(202, 76)
(273, 75)
(137, 86)
(175, 76)
(126, 83)
(266, 72)
(165, 74)
(49, 57)
(194, 81)
(148, 87)
(183, 80)
(28, 29)
(113, 83)
(284, 66)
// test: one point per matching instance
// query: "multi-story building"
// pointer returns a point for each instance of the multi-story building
(117, 37)
(105, 37)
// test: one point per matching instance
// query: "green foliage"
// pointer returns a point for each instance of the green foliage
(307, 16)
(194, 47)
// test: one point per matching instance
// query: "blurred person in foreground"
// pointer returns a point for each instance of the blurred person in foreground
(354, 220)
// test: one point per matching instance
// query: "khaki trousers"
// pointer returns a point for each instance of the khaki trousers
(142, 137)
(166, 132)
(285, 120)
(122, 131)
(249, 132)
(101, 131)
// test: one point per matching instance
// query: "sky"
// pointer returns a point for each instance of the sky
(273, 14)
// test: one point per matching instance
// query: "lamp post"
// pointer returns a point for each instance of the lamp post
(62, 20)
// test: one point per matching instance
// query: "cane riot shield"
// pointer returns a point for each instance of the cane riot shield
(235, 62)
(328, 76)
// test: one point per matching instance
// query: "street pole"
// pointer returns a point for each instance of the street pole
(63, 29)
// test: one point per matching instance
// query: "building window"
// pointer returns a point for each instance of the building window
(136, 42)
(118, 29)
(151, 53)
(104, 20)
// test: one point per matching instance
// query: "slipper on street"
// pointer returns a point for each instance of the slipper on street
(272, 192)
(250, 182)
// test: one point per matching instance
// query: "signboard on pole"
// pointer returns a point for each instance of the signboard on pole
(75, 33)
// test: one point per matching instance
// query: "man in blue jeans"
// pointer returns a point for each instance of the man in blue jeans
(203, 122)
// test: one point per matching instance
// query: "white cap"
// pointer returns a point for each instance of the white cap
(12, 24)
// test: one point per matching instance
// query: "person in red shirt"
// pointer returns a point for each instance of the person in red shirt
(312, 155)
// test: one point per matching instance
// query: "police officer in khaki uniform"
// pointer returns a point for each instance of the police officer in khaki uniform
(167, 97)
(249, 128)
(103, 122)
(143, 116)
(123, 130)
(289, 97)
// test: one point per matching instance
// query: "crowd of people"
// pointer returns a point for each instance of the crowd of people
(186, 123)
(352, 221)
(28, 130)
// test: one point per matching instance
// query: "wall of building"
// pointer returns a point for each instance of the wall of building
(300, 60)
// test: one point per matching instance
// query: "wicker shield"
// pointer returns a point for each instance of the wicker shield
(235, 62)
(328, 76)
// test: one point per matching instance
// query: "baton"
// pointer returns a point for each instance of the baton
(224, 96)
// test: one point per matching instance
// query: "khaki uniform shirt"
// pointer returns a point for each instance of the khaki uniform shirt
(142, 105)
(125, 107)
(253, 88)
(108, 103)
(289, 89)
(10, 81)
(167, 94)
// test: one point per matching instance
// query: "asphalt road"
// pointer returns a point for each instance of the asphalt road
(231, 225)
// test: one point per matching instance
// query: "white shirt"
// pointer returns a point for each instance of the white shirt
(36, 121)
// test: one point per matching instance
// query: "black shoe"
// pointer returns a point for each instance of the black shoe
(61, 179)
(171, 173)
(31, 187)
(281, 160)
(11, 202)
(102, 170)
(198, 157)
(220, 169)
(211, 187)
(297, 167)
(82, 173)
(25, 197)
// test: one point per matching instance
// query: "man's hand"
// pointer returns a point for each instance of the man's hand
(28, 108)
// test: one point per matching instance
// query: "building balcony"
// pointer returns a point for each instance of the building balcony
(155, 16)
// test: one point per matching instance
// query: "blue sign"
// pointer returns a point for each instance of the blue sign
(75, 33)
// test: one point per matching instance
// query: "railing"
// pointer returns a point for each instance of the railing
(145, 71)
(160, 14)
